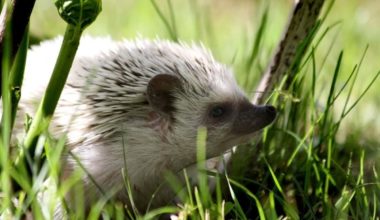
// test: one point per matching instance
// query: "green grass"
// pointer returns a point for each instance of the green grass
(318, 160)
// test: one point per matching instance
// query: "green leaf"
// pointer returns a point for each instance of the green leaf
(79, 12)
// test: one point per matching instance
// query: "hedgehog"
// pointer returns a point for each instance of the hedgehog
(132, 109)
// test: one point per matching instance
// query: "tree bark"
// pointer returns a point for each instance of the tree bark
(292, 47)
(293, 44)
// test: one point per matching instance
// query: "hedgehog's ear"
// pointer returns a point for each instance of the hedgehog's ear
(159, 92)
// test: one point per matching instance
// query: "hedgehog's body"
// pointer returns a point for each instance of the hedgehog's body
(136, 106)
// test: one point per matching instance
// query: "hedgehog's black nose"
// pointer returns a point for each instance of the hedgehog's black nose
(252, 118)
(270, 112)
(270, 109)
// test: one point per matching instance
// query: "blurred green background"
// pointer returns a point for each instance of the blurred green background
(228, 28)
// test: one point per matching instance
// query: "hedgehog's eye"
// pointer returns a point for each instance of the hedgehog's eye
(217, 112)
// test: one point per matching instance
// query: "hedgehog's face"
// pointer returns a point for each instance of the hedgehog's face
(222, 108)
(230, 123)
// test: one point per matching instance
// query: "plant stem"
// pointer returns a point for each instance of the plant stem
(15, 18)
(57, 81)
(16, 76)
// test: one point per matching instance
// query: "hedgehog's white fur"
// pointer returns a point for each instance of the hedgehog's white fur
(103, 109)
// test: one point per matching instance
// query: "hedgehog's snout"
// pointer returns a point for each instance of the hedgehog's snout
(251, 118)
(270, 109)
